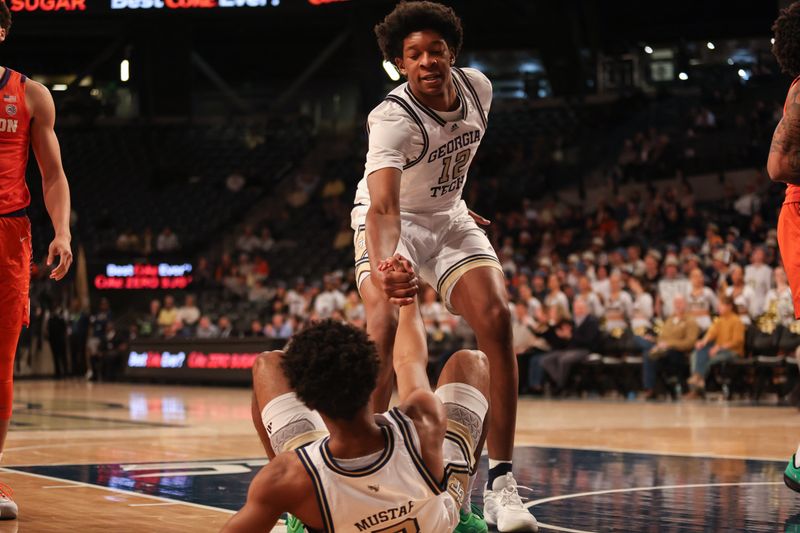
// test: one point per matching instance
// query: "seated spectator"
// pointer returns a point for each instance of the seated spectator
(297, 299)
(591, 298)
(580, 339)
(206, 329)
(128, 241)
(743, 296)
(722, 342)
(555, 296)
(168, 314)
(226, 329)
(642, 310)
(189, 313)
(266, 242)
(523, 329)
(354, 310)
(619, 305)
(779, 300)
(670, 286)
(532, 304)
(601, 284)
(330, 300)
(225, 269)
(202, 275)
(666, 355)
(148, 324)
(177, 331)
(279, 327)
(256, 329)
(167, 241)
(248, 242)
(260, 293)
(701, 300)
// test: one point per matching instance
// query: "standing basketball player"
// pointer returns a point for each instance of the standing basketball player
(422, 139)
(783, 165)
(27, 117)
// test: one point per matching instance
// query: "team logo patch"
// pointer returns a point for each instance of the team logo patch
(11, 110)
(9, 98)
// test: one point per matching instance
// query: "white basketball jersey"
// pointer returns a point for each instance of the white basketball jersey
(433, 149)
(395, 494)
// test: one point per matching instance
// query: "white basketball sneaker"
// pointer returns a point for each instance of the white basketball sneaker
(8, 508)
(502, 507)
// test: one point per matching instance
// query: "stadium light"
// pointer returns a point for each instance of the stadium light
(648, 50)
(391, 71)
(772, 41)
(60, 87)
(683, 76)
(710, 45)
(124, 70)
(730, 61)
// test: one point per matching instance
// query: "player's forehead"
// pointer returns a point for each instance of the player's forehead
(423, 40)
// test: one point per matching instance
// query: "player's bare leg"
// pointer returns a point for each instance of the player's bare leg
(381, 328)
(8, 348)
(282, 421)
(480, 297)
(275, 408)
(463, 387)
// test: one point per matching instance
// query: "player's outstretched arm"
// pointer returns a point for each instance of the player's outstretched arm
(784, 154)
(410, 358)
(54, 181)
(383, 234)
(266, 500)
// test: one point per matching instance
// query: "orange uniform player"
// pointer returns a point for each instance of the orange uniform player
(27, 118)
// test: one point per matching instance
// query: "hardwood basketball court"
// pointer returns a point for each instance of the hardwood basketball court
(122, 457)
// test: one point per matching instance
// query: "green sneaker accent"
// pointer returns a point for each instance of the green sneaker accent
(791, 476)
(294, 525)
(472, 522)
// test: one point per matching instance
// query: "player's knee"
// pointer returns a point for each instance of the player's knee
(496, 319)
(472, 361)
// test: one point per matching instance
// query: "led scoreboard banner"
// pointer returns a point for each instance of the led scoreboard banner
(197, 360)
(144, 277)
(105, 6)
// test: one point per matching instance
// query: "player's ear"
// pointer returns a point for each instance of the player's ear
(398, 62)
(2, 34)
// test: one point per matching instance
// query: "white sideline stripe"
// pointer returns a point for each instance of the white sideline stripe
(119, 491)
(533, 503)
(61, 486)
(542, 525)
(151, 504)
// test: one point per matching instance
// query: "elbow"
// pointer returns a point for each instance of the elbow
(776, 170)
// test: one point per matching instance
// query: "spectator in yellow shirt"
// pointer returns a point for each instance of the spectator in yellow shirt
(723, 341)
(168, 314)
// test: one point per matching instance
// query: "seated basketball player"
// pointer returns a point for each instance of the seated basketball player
(337, 466)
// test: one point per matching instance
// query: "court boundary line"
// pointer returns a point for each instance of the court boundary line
(575, 495)
(135, 423)
(699, 455)
(118, 491)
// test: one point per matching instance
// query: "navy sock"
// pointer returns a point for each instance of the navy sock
(499, 470)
